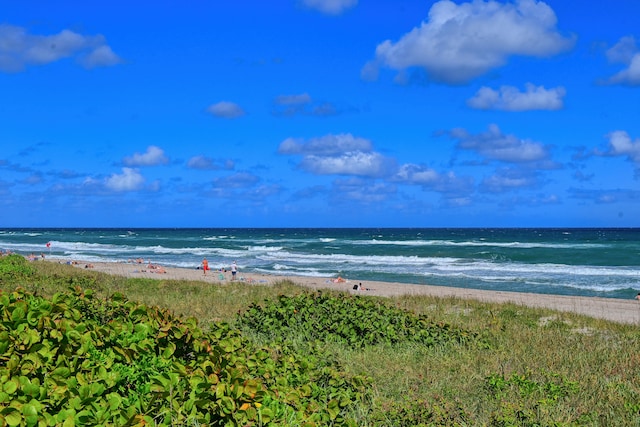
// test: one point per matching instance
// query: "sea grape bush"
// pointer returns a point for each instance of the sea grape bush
(77, 360)
(352, 321)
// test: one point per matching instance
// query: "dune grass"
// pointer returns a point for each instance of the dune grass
(535, 367)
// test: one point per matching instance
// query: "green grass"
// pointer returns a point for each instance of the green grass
(531, 367)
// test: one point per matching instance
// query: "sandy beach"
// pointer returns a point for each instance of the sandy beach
(617, 310)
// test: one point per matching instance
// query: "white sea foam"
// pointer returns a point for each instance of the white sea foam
(481, 243)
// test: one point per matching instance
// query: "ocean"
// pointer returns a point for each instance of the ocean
(577, 262)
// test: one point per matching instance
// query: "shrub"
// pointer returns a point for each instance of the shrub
(354, 321)
(79, 360)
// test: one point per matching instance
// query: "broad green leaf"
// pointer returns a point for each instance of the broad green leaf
(97, 389)
(69, 422)
(12, 416)
(114, 400)
(169, 350)
(10, 386)
(265, 415)
(30, 414)
(18, 314)
(227, 405)
(62, 372)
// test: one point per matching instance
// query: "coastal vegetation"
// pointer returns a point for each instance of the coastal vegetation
(78, 347)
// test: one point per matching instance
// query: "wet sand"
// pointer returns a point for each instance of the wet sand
(617, 310)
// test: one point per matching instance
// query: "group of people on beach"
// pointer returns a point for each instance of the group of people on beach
(233, 268)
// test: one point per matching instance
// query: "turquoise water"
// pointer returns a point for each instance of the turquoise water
(587, 262)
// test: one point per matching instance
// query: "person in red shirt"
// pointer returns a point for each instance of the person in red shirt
(205, 266)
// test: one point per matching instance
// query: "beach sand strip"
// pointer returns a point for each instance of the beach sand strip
(613, 309)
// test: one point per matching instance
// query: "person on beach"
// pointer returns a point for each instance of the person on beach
(234, 270)
(205, 266)
(638, 296)
(359, 287)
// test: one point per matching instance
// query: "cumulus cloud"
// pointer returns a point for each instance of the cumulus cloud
(507, 179)
(623, 51)
(325, 146)
(152, 157)
(226, 110)
(341, 154)
(494, 145)
(330, 7)
(626, 52)
(509, 98)
(207, 163)
(621, 144)
(18, 49)
(430, 179)
(129, 180)
(361, 191)
(102, 56)
(458, 43)
(290, 105)
(352, 163)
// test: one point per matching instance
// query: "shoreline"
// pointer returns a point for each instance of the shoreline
(616, 310)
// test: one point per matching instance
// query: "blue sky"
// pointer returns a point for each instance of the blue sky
(320, 113)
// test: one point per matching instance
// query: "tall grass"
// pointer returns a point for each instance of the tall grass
(536, 367)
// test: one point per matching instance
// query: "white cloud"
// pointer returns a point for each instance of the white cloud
(330, 7)
(430, 179)
(621, 144)
(361, 191)
(101, 56)
(625, 52)
(494, 145)
(630, 75)
(152, 157)
(509, 98)
(341, 154)
(508, 179)
(226, 110)
(207, 163)
(415, 174)
(19, 49)
(352, 163)
(326, 145)
(129, 180)
(290, 105)
(460, 42)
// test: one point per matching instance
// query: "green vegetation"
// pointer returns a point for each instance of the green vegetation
(83, 348)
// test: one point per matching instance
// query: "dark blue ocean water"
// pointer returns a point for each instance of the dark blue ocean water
(587, 262)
